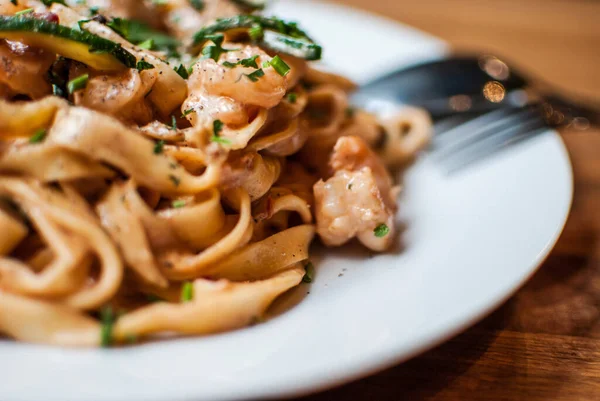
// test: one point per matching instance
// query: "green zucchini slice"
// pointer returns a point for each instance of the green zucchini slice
(92, 50)
(287, 38)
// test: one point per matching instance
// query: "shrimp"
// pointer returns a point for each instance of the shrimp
(358, 198)
(238, 82)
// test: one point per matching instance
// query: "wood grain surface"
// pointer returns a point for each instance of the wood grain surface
(544, 343)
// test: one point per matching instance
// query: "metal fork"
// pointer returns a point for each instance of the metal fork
(459, 144)
(458, 90)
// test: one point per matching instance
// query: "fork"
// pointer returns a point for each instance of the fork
(478, 104)
(458, 145)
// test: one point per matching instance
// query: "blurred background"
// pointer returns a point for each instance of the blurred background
(556, 40)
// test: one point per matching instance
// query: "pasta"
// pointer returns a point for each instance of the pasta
(165, 166)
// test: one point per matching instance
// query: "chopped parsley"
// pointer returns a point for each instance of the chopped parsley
(247, 62)
(38, 136)
(182, 71)
(197, 4)
(78, 83)
(14, 2)
(107, 318)
(256, 75)
(147, 44)
(217, 128)
(278, 65)
(23, 12)
(292, 97)
(216, 50)
(187, 112)
(48, 3)
(177, 204)
(187, 291)
(381, 230)
(309, 272)
(175, 180)
(94, 10)
(256, 32)
(144, 65)
(158, 147)
(251, 5)
(173, 123)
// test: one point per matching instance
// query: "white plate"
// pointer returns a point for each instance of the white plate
(471, 240)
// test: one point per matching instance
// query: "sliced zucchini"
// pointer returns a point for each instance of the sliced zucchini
(92, 50)
(296, 47)
(251, 4)
(288, 38)
(249, 21)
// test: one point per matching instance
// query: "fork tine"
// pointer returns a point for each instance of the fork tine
(501, 140)
(477, 129)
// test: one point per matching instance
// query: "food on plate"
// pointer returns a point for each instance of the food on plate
(164, 167)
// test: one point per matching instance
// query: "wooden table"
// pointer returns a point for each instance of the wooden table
(544, 343)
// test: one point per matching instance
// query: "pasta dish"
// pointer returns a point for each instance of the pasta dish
(165, 166)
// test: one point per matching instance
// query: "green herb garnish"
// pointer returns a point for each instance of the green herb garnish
(309, 272)
(177, 204)
(214, 51)
(197, 4)
(94, 10)
(279, 65)
(38, 136)
(187, 112)
(78, 83)
(144, 65)
(107, 319)
(217, 128)
(175, 180)
(158, 147)
(187, 292)
(381, 230)
(173, 123)
(292, 97)
(48, 3)
(182, 71)
(147, 44)
(14, 2)
(247, 62)
(256, 33)
(254, 77)
(23, 12)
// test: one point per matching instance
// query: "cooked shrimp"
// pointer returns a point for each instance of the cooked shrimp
(350, 204)
(238, 82)
(352, 153)
(357, 199)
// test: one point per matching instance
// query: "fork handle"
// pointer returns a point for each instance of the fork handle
(560, 111)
